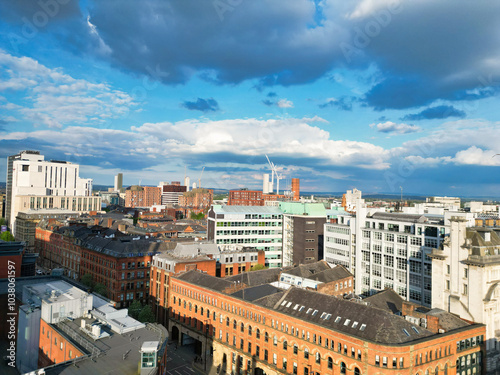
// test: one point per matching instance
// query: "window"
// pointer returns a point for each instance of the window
(306, 353)
(377, 360)
(285, 345)
(257, 333)
(330, 362)
(342, 368)
(295, 349)
(266, 337)
(275, 340)
(318, 358)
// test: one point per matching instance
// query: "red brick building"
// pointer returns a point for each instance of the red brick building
(54, 346)
(245, 198)
(197, 198)
(204, 257)
(142, 196)
(302, 332)
(121, 263)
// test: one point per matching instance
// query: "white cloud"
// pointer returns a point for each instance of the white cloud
(58, 99)
(392, 127)
(284, 103)
(477, 156)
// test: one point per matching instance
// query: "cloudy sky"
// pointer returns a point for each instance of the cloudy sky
(373, 94)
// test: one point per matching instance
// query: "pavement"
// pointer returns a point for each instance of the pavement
(181, 361)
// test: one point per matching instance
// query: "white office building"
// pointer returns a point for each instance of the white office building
(29, 175)
(259, 227)
(387, 250)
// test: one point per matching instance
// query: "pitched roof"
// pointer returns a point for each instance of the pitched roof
(359, 320)
(206, 281)
(254, 278)
(256, 292)
(387, 300)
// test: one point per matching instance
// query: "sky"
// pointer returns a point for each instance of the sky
(374, 94)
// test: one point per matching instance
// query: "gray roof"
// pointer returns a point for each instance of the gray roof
(411, 218)
(113, 348)
(256, 292)
(125, 246)
(247, 209)
(387, 299)
(254, 278)
(307, 270)
(352, 318)
(206, 281)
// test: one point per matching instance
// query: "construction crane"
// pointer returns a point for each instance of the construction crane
(199, 180)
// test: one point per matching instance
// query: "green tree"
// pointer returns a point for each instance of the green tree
(87, 280)
(135, 309)
(7, 236)
(198, 216)
(101, 289)
(258, 267)
(2, 221)
(146, 315)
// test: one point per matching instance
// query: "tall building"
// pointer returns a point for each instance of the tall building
(259, 227)
(119, 182)
(386, 250)
(197, 198)
(33, 183)
(465, 274)
(245, 197)
(302, 232)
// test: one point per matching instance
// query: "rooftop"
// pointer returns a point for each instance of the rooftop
(298, 208)
(247, 209)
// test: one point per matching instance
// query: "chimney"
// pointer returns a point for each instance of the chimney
(121, 227)
(96, 221)
(110, 223)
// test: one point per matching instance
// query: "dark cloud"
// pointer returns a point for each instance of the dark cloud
(204, 105)
(268, 102)
(271, 94)
(439, 112)
(344, 103)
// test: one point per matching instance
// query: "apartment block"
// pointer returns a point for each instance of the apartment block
(142, 196)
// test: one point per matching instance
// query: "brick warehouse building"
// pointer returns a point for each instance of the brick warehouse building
(205, 257)
(121, 263)
(300, 332)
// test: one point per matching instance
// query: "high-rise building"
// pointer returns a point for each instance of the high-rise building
(119, 182)
(142, 196)
(34, 183)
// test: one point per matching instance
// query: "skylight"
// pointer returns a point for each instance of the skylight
(415, 329)
(296, 306)
(283, 303)
(308, 310)
(302, 308)
(328, 316)
(354, 325)
(362, 328)
(337, 319)
(347, 321)
(406, 332)
(288, 304)
(314, 312)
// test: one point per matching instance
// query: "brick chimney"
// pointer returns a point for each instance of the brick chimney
(110, 223)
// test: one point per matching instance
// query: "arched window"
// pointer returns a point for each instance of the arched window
(356, 371)
(306, 353)
(426, 372)
(196, 309)
(234, 324)
(227, 321)
(446, 369)
(285, 345)
(242, 327)
(436, 371)
(208, 314)
(330, 362)
(342, 368)
(318, 358)
(201, 311)
(266, 337)
(257, 333)
(249, 330)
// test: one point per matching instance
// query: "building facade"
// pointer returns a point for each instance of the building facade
(170, 194)
(386, 250)
(235, 227)
(142, 196)
(465, 273)
(296, 332)
(197, 198)
(33, 182)
(302, 232)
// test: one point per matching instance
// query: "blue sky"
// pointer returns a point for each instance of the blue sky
(373, 94)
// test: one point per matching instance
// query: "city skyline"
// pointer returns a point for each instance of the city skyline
(373, 94)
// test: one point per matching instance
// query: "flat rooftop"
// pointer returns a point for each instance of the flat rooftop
(63, 291)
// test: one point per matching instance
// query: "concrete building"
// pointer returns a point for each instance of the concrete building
(235, 227)
(302, 232)
(170, 193)
(263, 329)
(447, 201)
(119, 182)
(349, 199)
(27, 221)
(33, 183)
(465, 274)
(387, 250)
(64, 330)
